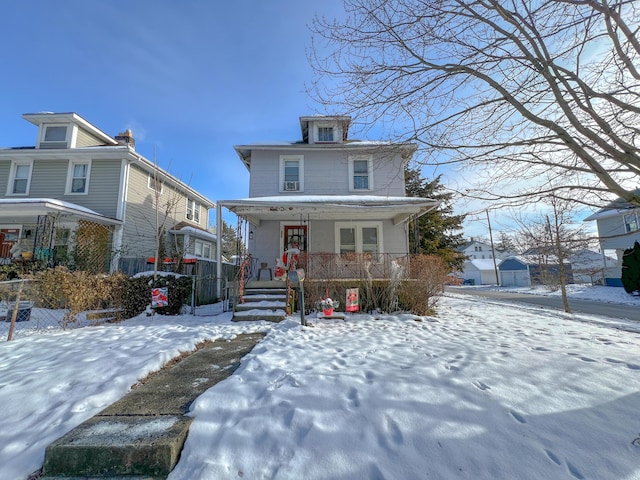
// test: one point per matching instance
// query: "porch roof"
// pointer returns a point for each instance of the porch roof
(330, 207)
(25, 208)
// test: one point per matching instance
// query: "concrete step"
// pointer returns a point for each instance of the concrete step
(266, 284)
(262, 305)
(143, 433)
(255, 314)
(264, 291)
(264, 298)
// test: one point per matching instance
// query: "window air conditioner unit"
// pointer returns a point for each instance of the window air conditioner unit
(189, 216)
(291, 186)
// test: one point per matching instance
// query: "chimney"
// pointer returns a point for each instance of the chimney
(126, 138)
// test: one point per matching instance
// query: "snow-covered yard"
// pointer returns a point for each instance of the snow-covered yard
(482, 391)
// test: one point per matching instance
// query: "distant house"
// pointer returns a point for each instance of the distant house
(80, 193)
(588, 266)
(618, 229)
(340, 203)
(475, 250)
(480, 272)
(524, 271)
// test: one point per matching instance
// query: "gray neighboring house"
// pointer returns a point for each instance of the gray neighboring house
(79, 185)
(341, 202)
(618, 229)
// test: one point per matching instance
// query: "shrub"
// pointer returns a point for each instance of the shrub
(421, 292)
(631, 269)
(137, 295)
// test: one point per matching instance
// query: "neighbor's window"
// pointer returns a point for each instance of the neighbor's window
(78, 181)
(202, 249)
(154, 184)
(54, 136)
(193, 210)
(630, 222)
(360, 173)
(325, 134)
(20, 178)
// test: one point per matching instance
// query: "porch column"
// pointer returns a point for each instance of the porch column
(219, 249)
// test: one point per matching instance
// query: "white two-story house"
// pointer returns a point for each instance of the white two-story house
(81, 194)
(341, 202)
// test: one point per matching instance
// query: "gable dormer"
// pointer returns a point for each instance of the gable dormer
(66, 130)
(323, 129)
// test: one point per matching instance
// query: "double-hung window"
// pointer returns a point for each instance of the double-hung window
(154, 184)
(630, 222)
(193, 210)
(20, 178)
(78, 177)
(325, 134)
(291, 173)
(360, 173)
(358, 238)
(202, 249)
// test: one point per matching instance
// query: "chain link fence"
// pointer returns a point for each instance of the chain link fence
(26, 310)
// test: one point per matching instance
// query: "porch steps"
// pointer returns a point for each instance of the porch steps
(263, 300)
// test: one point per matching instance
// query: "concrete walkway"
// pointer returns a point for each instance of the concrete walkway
(141, 435)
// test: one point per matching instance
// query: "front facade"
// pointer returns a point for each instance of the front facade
(80, 194)
(618, 229)
(334, 200)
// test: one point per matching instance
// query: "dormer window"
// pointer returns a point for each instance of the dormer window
(325, 134)
(54, 136)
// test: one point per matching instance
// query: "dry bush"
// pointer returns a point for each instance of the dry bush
(421, 292)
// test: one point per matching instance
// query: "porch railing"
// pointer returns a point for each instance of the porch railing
(355, 265)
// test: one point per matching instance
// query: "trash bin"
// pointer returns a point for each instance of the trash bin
(24, 312)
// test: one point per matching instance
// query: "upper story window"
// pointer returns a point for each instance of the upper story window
(54, 136)
(360, 173)
(291, 173)
(193, 210)
(630, 222)
(325, 134)
(78, 177)
(154, 184)
(20, 178)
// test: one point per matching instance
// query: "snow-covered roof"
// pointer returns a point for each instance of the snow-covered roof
(330, 207)
(38, 206)
(197, 232)
(483, 263)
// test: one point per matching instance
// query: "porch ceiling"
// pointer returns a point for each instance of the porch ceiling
(25, 210)
(329, 207)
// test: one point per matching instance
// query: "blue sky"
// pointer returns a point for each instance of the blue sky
(190, 78)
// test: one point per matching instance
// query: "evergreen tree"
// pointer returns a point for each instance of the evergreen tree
(438, 232)
(631, 269)
(505, 243)
(231, 245)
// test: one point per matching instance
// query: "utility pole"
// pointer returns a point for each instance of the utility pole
(493, 250)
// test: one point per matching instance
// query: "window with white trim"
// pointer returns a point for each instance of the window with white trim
(193, 210)
(20, 178)
(325, 134)
(630, 222)
(154, 184)
(55, 136)
(358, 237)
(78, 177)
(202, 249)
(291, 173)
(360, 173)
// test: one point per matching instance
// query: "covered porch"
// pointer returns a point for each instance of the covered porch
(53, 232)
(330, 236)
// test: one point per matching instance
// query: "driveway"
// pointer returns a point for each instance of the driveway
(613, 310)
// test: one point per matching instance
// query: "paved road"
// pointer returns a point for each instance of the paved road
(613, 310)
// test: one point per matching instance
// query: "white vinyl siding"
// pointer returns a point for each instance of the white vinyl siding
(360, 173)
(20, 178)
(78, 178)
(291, 173)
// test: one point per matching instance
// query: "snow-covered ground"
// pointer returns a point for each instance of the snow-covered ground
(481, 391)
(582, 291)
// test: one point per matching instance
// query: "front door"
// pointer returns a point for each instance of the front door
(295, 236)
